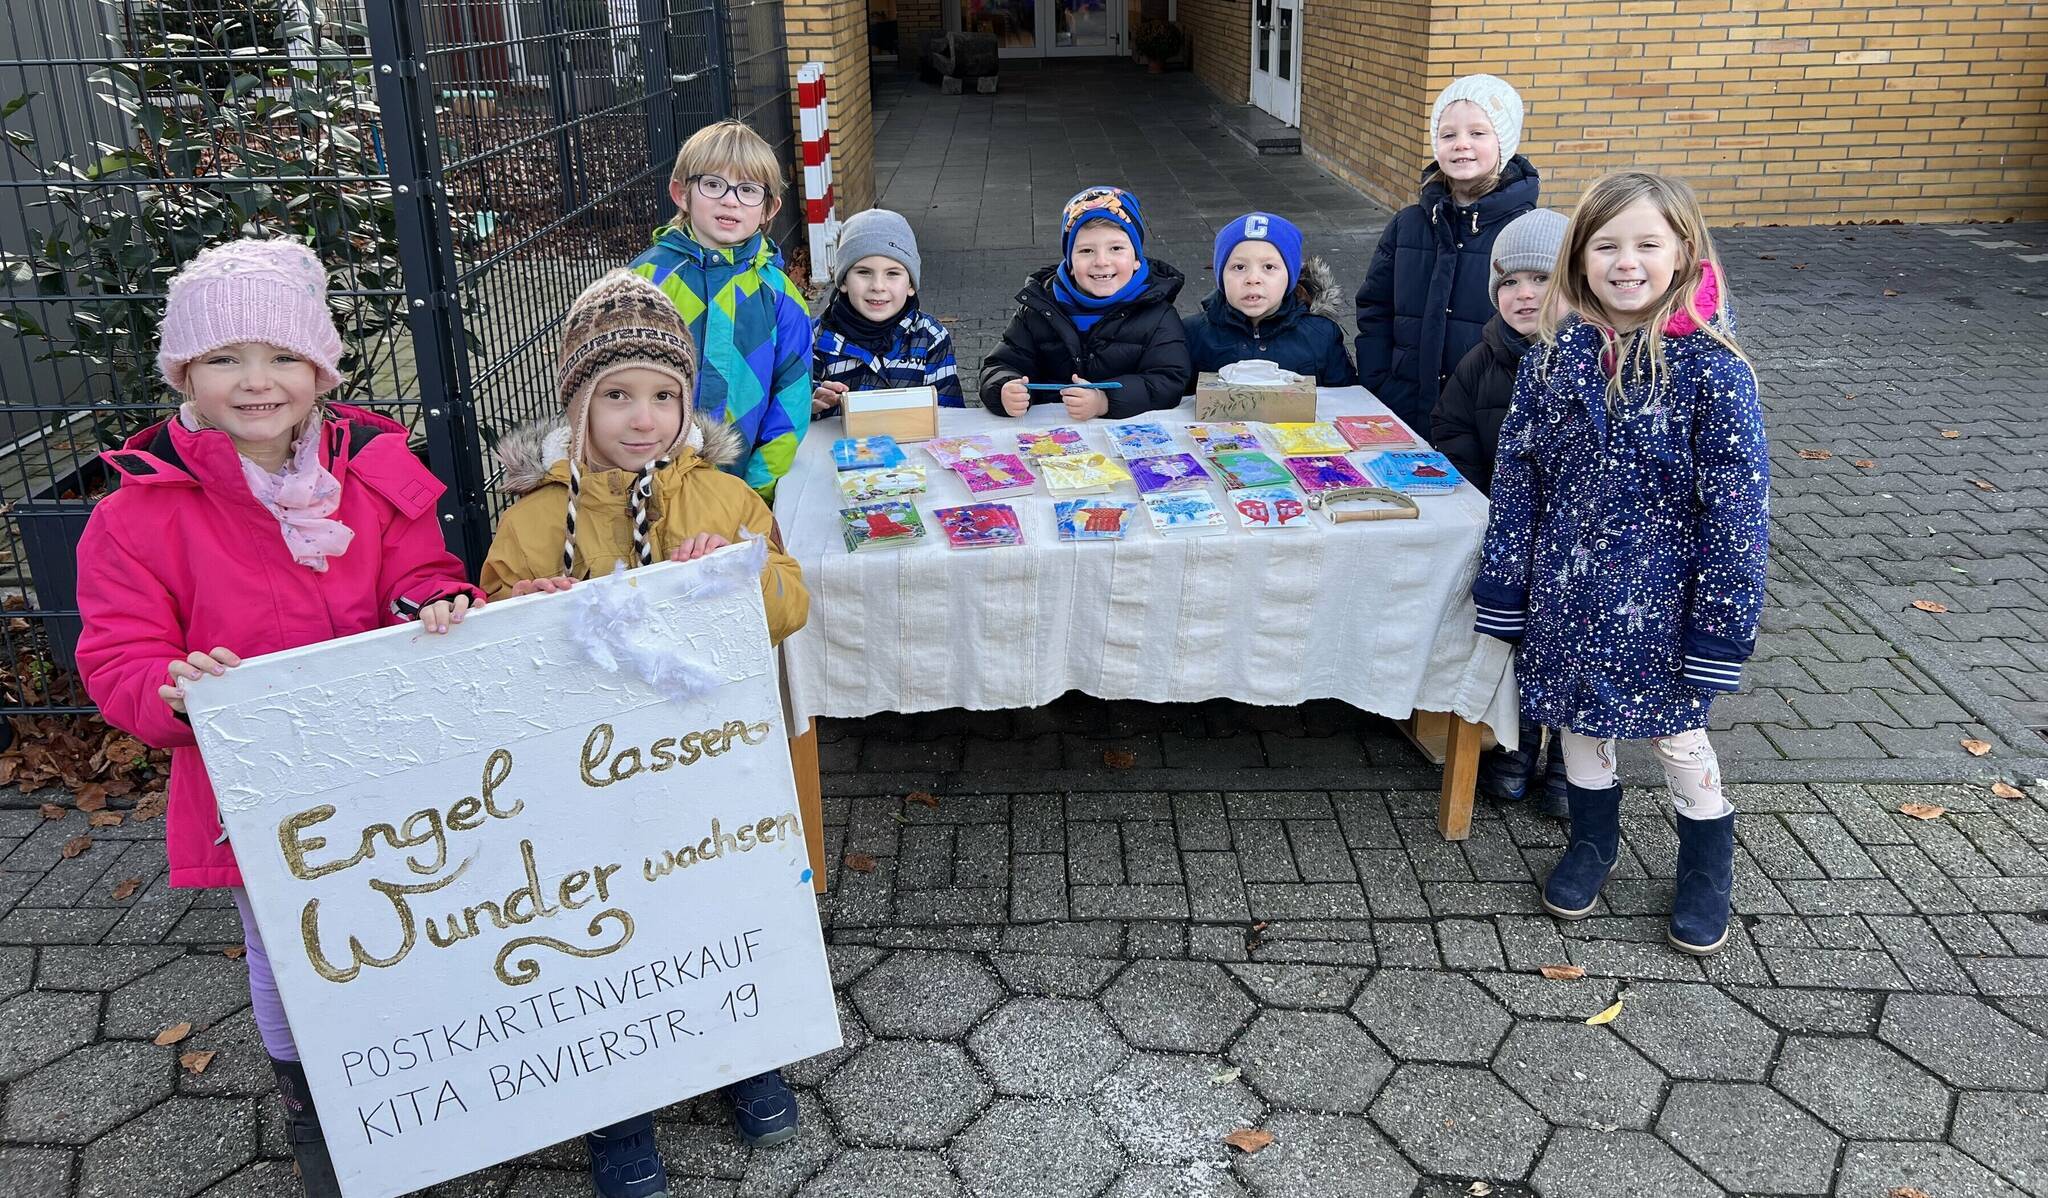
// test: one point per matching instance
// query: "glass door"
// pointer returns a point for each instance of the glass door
(1045, 28)
(1085, 27)
(1276, 58)
(1013, 22)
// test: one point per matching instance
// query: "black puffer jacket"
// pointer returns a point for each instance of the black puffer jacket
(1466, 424)
(1426, 294)
(1302, 335)
(1140, 345)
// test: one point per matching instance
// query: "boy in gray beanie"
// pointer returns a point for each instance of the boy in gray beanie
(1465, 427)
(873, 335)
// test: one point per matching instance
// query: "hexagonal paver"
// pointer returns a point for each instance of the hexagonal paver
(1459, 1121)
(1695, 1031)
(1058, 976)
(38, 1027)
(1580, 1076)
(866, 1173)
(1331, 1156)
(88, 1093)
(35, 1172)
(1428, 1016)
(1035, 1149)
(1204, 1179)
(1047, 1047)
(1315, 1060)
(904, 1094)
(812, 1071)
(1965, 1041)
(174, 1149)
(1878, 1170)
(1170, 1110)
(196, 990)
(1178, 1006)
(924, 995)
(1582, 1163)
(1302, 987)
(1749, 1138)
(2009, 1132)
(1862, 1089)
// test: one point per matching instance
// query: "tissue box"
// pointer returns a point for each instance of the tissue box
(1215, 400)
(905, 413)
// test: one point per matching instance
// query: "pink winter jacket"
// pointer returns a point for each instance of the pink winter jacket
(182, 557)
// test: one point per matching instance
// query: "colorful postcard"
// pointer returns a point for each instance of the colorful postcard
(1093, 519)
(1141, 439)
(881, 526)
(995, 476)
(1301, 440)
(1185, 514)
(1375, 432)
(866, 453)
(980, 525)
(1241, 469)
(1052, 443)
(947, 451)
(1082, 473)
(1266, 508)
(1224, 437)
(1168, 472)
(1326, 473)
(1416, 472)
(867, 486)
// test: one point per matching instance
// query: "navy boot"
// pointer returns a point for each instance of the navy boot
(1589, 856)
(1553, 801)
(624, 1162)
(1504, 774)
(302, 1131)
(1706, 875)
(763, 1109)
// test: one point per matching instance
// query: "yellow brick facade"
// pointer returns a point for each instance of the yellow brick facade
(1791, 111)
(1221, 33)
(835, 32)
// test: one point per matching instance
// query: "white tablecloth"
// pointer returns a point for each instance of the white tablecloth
(1376, 614)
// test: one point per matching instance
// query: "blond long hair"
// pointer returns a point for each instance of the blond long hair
(1637, 355)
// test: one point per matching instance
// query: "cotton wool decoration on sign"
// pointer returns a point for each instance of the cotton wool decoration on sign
(614, 625)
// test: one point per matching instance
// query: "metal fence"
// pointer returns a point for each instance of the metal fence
(464, 168)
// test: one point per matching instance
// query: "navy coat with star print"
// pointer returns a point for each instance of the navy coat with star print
(1627, 552)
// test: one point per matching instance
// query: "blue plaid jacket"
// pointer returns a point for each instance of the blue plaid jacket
(920, 356)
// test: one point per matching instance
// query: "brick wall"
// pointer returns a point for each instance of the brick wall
(1222, 32)
(1364, 104)
(915, 19)
(835, 32)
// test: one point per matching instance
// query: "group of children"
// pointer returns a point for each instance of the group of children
(1580, 369)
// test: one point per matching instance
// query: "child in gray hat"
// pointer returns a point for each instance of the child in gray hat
(873, 335)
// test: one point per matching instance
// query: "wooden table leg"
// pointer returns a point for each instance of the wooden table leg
(810, 799)
(1461, 777)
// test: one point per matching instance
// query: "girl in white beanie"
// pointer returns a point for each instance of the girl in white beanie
(1426, 296)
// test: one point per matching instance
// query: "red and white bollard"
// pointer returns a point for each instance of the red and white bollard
(820, 214)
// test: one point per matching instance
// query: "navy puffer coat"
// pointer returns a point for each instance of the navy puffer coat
(1303, 335)
(1426, 296)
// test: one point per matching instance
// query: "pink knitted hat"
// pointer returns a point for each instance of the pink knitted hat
(250, 290)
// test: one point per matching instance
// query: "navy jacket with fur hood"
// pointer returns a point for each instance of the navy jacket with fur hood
(1140, 345)
(1303, 335)
(1428, 292)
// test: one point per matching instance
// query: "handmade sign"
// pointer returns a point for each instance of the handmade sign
(529, 878)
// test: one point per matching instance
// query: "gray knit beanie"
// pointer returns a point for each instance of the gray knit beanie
(1496, 97)
(877, 232)
(1531, 241)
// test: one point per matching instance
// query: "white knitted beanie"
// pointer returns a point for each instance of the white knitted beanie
(1496, 97)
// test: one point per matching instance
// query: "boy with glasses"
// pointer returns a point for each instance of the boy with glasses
(726, 278)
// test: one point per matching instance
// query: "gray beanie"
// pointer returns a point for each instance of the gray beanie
(1496, 97)
(877, 232)
(1531, 241)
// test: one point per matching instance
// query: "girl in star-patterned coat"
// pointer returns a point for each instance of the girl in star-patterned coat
(1626, 550)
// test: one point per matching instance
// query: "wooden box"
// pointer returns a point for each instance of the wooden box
(1218, 400)
(905, 413)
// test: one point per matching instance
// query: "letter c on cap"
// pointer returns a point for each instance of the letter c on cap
(1255, 227)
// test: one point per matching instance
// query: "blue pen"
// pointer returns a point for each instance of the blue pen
(1064, 386)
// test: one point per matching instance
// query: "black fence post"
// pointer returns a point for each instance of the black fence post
(433, 312)
(720, 47)
(558, 36)
(660, 98)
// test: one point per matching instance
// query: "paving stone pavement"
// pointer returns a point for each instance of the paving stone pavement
(1068, 979)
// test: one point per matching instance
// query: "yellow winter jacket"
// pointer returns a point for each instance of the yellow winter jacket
(691, 496)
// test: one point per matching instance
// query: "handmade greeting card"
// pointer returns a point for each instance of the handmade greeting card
(866, 453)
(1168, 472)
(1326, 473)
(980, 525)
(1093, 519)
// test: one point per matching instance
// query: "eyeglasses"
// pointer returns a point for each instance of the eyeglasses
(711, 187)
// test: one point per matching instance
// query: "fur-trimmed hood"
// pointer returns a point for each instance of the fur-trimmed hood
(528, 455)
(1320, 290)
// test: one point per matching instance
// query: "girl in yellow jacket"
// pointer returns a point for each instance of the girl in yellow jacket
(631, 474)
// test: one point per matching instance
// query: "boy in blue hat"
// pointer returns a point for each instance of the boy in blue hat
(1102, 314)
(1269, 305)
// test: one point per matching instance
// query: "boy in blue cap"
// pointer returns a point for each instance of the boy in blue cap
(1269, 305)
(1102, 314)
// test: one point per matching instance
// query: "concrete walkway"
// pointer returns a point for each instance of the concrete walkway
(1069, 979)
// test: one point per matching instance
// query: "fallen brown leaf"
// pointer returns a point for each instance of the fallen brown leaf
(922, 798)
(1865, 463)
(234, 952)
(51, 811)
(196, 1062)
(124, 750)
(1951, 434)
(9, 766)
(1119, 759)
(1975, 748)
(860, 863)
(76, 845)
(1983, 485)
(126, 888)
(1248, 1139)
(1905, 1192)
(1815, 455)
(105, 819)
(92, 798)
(1924, 810)
(1931, 605)
(1889, 293)
(1768, 257)
(2006, 790)
(1799, 266)
(1562, 973)
(149, 806)
(172, 1034)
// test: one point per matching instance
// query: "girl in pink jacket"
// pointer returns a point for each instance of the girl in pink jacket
(255, 519)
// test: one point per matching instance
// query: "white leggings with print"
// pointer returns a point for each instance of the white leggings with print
(1690, 769)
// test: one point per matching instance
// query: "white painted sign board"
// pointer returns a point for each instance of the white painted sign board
(511, 896)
